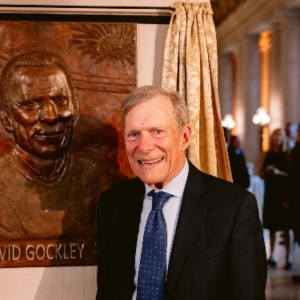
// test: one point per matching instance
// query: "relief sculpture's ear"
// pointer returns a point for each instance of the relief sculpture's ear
(76, 109)
(6, 119)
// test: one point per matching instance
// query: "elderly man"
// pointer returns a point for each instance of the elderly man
(174, 232)
(45, 192)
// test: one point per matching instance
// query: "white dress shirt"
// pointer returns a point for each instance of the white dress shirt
(170, 211)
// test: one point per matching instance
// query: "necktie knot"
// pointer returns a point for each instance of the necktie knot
(159, 199)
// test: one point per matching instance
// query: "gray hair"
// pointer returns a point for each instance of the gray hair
(145, 93)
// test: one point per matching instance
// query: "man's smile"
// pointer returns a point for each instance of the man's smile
(150, 162)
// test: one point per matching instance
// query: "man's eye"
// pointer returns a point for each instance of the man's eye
(61, 101)
(157, 132)
(31, 104)
(132, 136)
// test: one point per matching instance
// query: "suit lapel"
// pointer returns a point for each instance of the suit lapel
(192, 214)
(137, 205)
(125, 236)
(129, 216)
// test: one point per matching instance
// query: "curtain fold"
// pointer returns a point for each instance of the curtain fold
(191, 68)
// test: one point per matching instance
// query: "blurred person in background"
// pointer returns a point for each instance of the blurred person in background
(276, 210)
(239, 170)
(291, 131)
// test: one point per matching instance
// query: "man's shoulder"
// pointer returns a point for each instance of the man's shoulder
(121, 195)
(215, 185)
(198, 174)
(126, 187)
(6, 165)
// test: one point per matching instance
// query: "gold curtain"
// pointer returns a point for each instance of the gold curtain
(191, 68)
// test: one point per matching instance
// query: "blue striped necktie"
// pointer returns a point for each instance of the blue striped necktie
(152, 270)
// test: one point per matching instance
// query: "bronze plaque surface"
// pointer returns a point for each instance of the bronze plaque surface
(60, 147)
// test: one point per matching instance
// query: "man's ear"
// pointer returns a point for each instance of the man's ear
(186, 134)
(76, 108)
(6, 119)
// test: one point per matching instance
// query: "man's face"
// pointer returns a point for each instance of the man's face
(154, 145)
(41, 111)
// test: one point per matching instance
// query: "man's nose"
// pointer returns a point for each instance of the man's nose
(146, 144)
(48, 112)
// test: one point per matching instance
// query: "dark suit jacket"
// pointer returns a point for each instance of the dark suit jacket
(218, 250)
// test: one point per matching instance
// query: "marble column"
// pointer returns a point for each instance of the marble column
(276, 105)
(285, 70)
(248, 97)
(225, 83)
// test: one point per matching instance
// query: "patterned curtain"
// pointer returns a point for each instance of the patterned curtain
(191, 68)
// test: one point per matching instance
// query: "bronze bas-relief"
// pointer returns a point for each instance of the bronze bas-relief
(50, 183)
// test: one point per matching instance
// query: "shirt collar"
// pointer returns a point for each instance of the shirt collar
(176, 186)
